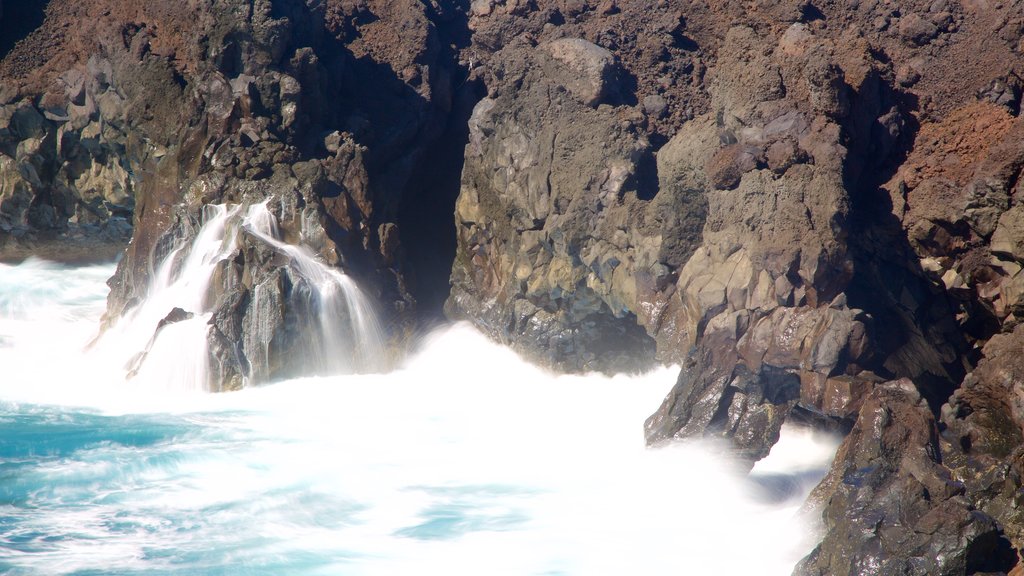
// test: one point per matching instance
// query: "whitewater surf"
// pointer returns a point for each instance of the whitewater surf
(464, 460)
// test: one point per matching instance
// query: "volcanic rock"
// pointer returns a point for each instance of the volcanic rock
(795, 201)
(890, 504)
(166, 112)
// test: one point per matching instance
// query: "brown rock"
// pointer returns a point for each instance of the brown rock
(918, 30)
(889, 504)
(728, 164)
(589, 69)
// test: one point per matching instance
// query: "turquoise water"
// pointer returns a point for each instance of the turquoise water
(464, 461)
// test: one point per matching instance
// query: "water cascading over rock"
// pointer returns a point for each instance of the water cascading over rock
(297, 316)
(796, 201)
(341, 333)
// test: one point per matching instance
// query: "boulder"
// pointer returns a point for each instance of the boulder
(891, 506)
(584, 69)
(917, 29)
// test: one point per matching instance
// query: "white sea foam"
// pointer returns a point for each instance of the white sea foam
(464, 461)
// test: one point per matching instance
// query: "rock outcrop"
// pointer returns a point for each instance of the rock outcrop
(731, 238)
(326, 111)
(550, 177)
(891, 504)
(814, 208)
(803, 206)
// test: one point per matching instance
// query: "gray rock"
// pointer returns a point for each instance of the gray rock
(1003, 92)
(655, 105)
(545, 260)
(482, 7)
(588, 71)
(26, 122)
(74, 82)
(982, 440)
(1008, 238)
(741, 383)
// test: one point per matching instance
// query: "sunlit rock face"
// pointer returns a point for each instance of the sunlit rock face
(816, 210)
(569, 222)
(794, 201)
(552, 218)
(575, 230)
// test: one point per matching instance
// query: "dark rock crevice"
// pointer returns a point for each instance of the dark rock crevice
(915, 332)
(425, 216)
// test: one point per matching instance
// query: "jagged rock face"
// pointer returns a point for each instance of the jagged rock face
(827, 210)
(592, 213)
(67, 190)
(741, 382)
(572, 230)
(325, 109)
(552, 217)
(796, 201)
(891, 504)
(983, 433)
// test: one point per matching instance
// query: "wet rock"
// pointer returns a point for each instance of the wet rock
(228, 363)
(744, 377)
(983, 436)
(174, 316)
(716, 395)
(891, 506)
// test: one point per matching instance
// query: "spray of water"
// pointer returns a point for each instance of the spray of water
(464, 461)
(172, 355)
(162, 342)
(347, 335)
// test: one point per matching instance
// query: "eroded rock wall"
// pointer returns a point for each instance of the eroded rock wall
(127, 129)
(797, 201)
(813, 207)
(576, 225)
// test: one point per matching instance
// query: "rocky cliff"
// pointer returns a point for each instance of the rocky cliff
(798, 203)
(129, 126)
(813, 208)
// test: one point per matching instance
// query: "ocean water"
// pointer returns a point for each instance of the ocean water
(463, 461)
